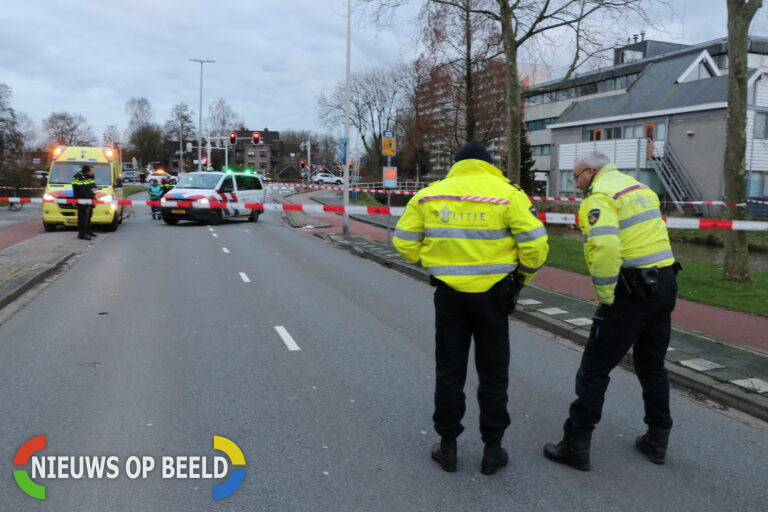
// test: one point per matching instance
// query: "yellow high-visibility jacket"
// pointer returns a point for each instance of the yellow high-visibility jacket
(623, 227)
(472, 229)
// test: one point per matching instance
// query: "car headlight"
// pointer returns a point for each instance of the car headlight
(203, 200)
(48, 197)
(162, 200)
(106, 198)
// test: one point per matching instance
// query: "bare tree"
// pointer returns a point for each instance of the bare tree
(222, 118)
(740, 14)
(10, 137)
(180, 125)
(68, 129)
(30, 134)
(111, 135)
(148, 141)
(140, 112)
(375, 96)
(521, 22)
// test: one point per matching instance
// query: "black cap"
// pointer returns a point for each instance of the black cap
(473, 150)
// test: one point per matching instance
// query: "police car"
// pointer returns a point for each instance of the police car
(206, 188)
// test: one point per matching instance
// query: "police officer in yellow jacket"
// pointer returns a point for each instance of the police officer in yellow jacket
(83, 187)
(474, 233)
(633, 273)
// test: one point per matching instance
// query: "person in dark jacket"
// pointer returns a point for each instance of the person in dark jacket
(83, 187)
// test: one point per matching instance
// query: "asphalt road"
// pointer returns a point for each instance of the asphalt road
(158, 339)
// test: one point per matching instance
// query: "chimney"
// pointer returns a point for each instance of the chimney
(642, 35)
(634, 36)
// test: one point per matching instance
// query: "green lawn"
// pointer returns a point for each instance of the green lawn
(133, 189)
(699, 282)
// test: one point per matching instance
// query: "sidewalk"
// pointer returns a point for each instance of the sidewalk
(720, 353)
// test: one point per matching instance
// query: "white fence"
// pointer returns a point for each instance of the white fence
(625, 153)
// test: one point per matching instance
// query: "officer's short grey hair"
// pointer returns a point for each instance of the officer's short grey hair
(595, 160)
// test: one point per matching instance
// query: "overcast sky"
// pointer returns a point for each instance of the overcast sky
(272, 57)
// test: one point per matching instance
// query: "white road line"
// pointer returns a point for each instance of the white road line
(244, 277)
(214, 234)
(226, 251)
(210, 229)
(287, 338)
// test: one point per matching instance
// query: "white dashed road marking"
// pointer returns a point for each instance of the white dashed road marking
(701, 365)
(287, 338)
(580, 321)
(528, 302)
(552, 311)
(214, 234)
(226, 251)
(753, 384)
(244, 277)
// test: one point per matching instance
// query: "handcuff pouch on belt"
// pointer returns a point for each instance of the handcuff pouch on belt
(514, 283)
(639, 283)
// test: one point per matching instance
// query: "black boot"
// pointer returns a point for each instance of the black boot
(654, 444)
(494, 457)
(444, 453)
(573, 450)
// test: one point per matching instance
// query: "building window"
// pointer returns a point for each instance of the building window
(760, 125)
(251, 153)
(263, 153)
(262, 165)
(633, 132)
(661, 131)
(606, 85)
(541, 150)
(565, 181)
(540, 124)
(613, 133)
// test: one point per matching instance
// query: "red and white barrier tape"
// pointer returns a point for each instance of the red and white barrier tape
(547, 218)
(672, 222)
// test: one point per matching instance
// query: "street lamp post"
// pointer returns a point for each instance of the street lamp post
(200, 117)
(345, 227)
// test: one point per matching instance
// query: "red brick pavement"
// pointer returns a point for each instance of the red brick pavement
(15, 233)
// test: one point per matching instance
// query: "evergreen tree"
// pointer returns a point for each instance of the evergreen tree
(527, 172)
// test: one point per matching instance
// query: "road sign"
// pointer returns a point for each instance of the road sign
(189, 147)
(390, 177)
(388, 146)
(388, 133)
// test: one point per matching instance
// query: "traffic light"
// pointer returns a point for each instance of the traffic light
(351, 165)
(256, 137)
(233, 138)
(302, 164)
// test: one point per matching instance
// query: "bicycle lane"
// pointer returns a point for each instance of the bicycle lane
(20, 231)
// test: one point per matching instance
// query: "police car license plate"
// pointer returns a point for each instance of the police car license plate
(180, 212)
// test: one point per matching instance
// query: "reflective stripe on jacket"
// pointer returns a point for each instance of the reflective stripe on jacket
(82, 186)
(472, 229)
(623, 227)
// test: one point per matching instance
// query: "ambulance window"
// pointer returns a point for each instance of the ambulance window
(226, 185)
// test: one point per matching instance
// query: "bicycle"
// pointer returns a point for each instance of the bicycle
(14, 207)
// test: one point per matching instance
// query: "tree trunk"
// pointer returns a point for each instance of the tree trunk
(736, 249)
(469, 100)
(513, 94)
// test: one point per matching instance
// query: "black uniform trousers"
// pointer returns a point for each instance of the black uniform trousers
(643, 324)
(84, 219)
(459, 317)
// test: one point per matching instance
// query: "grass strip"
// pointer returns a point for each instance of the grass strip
(698, 282)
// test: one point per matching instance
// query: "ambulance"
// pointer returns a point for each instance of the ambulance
(68, 161)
